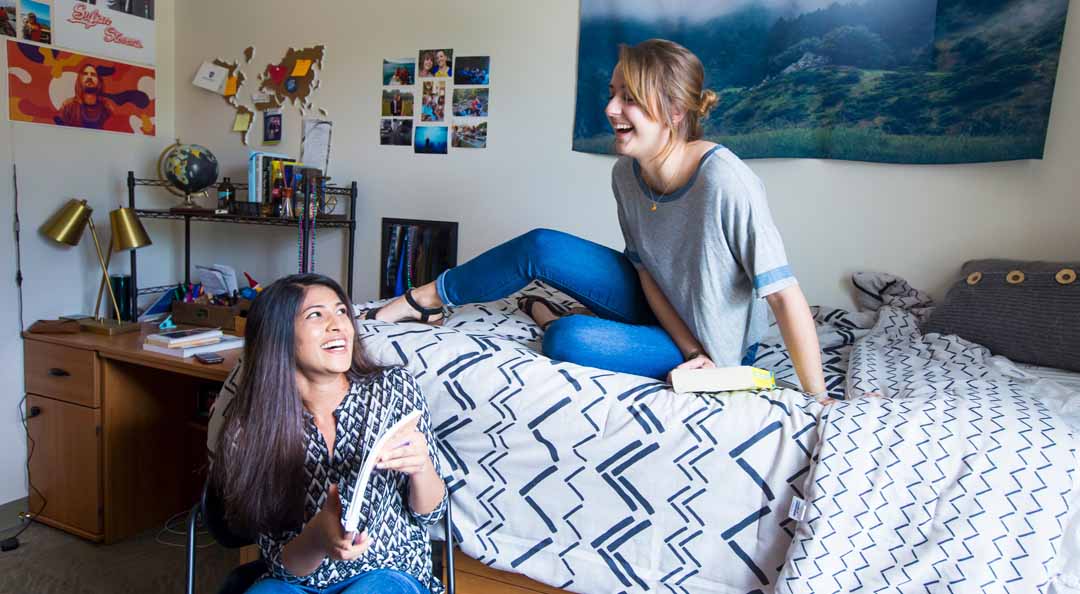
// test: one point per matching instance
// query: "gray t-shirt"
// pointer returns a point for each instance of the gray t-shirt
(711, 246)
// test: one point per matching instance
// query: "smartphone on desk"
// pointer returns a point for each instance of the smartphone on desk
(209, 358)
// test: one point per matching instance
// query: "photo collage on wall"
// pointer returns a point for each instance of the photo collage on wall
(434, 103)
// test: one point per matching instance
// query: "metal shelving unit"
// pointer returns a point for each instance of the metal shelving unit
(346, 221)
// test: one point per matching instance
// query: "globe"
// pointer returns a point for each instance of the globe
(188, 168)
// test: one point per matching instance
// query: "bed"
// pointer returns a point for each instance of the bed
(592, 481)
(947, 470)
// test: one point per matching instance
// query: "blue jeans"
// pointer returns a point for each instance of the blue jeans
(625, 337)
(380, 581)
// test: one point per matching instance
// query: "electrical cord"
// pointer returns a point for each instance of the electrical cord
(168, 529)
(18, 248)
(12, 543)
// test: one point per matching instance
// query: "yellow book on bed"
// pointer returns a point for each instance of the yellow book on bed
(722, 379)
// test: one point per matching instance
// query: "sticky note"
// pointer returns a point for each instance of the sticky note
(301, 68)
(230, 86)
(242, 122)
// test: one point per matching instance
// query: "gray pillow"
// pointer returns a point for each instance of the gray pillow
(1026, 311)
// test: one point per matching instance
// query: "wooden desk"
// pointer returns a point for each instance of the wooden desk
(116, 446)
(117, 449)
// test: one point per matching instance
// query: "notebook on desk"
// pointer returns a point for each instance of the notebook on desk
(224, 344)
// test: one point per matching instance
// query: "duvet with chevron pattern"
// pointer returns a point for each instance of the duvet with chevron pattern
(600, 482)
(940, 475)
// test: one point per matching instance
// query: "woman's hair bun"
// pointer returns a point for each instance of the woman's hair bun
(709, 99)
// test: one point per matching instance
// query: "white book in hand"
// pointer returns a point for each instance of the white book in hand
(722, 379)
(351, 521)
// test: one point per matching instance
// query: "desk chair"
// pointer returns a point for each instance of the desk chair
(211, 509)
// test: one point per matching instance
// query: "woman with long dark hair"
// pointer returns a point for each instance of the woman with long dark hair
(309, 407)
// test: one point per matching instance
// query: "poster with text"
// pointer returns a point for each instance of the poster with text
(49, 86)
(96, 28)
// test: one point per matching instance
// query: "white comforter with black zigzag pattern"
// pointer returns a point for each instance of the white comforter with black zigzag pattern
(951, 471)
(948, 471)
(593, 481)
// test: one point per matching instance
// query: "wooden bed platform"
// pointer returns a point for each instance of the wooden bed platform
(471, 576)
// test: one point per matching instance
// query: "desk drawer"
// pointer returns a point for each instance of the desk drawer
(61, 372)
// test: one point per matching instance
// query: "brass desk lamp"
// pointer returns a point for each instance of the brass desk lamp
(67, 225)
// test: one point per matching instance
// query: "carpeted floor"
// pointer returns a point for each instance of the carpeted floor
(49, 561)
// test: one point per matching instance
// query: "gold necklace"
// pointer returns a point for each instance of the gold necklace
(653, 198)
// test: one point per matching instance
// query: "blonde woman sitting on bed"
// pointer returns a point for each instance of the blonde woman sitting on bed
(702, 251)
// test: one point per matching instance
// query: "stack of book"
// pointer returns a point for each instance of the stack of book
(190, 342)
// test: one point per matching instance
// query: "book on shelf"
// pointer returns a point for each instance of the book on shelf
(259, 167)
(185, 337)
(223, 344)
(722, 379)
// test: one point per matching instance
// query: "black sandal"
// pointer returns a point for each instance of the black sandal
(371, 313)
(526, 302)
(425, 312)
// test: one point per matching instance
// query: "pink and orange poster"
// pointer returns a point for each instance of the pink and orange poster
(48, 86)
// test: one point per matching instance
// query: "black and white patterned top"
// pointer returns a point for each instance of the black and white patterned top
(399, 536)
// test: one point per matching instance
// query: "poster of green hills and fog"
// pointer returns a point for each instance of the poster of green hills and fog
(898, 81)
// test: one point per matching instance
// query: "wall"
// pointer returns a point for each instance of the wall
(837, 217)
(921, 222)
(54, 165)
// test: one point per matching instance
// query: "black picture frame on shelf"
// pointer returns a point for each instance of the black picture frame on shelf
(435, 245)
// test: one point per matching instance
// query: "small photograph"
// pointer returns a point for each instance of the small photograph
(36, 22)
(395, 132)
(472, 70)
(272, 126)
(7, 18)
(434, 101)
(397, 103)
(430, 140)
(471, 102)
(470, 136)
(438, 63)
(139, 8)
(398, 73)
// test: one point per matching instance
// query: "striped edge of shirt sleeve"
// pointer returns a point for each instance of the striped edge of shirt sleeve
(434, 515)
(774, 280)
(272, 550)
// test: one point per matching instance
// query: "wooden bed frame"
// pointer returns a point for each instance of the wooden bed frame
(472, 577)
